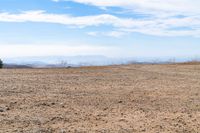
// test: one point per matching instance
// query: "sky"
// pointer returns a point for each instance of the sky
(111, 28)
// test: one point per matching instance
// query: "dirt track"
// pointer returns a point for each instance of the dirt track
(114, 99)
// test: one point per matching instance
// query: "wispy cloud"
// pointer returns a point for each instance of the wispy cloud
(115, 34)
(167, 6)
(42, 16)
(168, 26)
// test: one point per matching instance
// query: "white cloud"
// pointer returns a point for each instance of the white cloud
(115, 34)
(169, 26)
(174, 6)
(92, 33)
(42, 16)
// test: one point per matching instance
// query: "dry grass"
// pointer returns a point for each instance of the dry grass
(124, 99)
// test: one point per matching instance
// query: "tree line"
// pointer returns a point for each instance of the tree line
(1, 64)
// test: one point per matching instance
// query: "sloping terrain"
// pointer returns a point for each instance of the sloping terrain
(113, 99)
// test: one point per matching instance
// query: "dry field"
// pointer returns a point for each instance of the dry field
(112, 99)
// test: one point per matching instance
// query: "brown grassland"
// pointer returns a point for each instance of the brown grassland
(111, 99)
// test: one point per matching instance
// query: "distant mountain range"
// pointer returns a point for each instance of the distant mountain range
(62, 61)
(77, 61)
(16, 66)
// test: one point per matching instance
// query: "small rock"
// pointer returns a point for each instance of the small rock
(2, 110)
(106, 108)
(53, 103)
(120, 101)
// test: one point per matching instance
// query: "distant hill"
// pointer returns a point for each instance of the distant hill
(62, 61)
(78, 61)
(16, 66)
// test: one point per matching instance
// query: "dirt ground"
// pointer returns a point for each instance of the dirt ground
(112, 99)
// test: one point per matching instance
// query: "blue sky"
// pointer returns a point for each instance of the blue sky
(113, 28)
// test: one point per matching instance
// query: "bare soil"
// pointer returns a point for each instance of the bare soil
(112, 99)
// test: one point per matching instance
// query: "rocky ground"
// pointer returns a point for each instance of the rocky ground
(113, 99)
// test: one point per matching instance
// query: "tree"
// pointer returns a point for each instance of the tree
(1, 63)
(63, 63)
